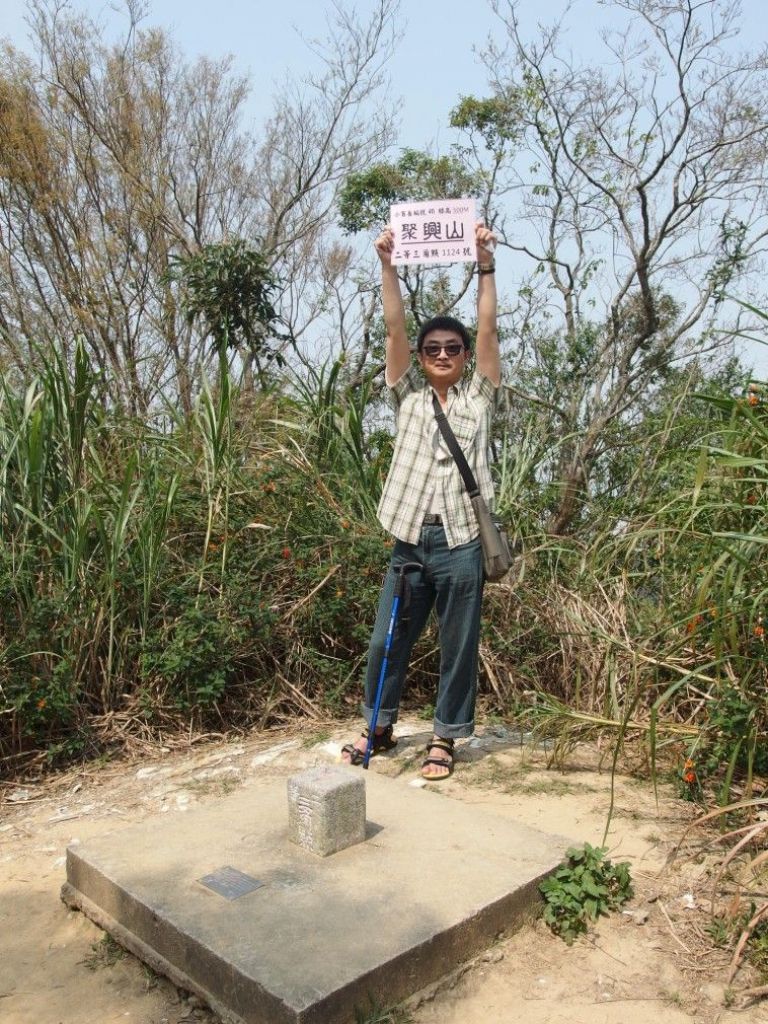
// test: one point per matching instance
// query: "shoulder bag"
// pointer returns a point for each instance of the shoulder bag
(497, 554)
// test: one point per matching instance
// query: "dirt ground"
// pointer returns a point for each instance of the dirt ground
(650, 962)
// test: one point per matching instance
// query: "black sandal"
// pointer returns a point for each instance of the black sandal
(446, 745)
(382, 741)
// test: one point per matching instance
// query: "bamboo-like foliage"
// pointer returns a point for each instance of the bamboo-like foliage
(227, 565)
(120, 592)
(70, 487)
(334, 430)
(648, 624)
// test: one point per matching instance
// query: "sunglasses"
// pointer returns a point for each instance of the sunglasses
(451, 348)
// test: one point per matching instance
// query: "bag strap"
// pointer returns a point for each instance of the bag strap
(453, 445)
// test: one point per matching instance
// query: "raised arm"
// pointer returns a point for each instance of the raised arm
(398, 354)
(487, 356)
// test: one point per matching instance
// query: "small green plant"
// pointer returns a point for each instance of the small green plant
(315, 738)
(104, 953)
(722, 930)
(585, 886)
(376, 1014)
(758, 950)
(151, 978)
(728, 931)
(672, 997)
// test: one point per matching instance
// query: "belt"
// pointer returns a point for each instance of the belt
(432, 519)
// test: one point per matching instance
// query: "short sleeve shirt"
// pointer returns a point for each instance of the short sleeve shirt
(422, 465)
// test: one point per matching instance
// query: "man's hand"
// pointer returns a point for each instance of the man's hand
(385, 245)
(485, 242)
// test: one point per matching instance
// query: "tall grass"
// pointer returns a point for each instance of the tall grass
(225, 569)
(222, 569)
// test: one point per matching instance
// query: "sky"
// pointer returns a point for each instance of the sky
(435, 62)
(265, 38)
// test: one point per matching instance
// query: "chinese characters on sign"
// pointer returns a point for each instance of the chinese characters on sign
(437, 231)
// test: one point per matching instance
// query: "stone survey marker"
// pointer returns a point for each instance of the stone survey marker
(326, 809)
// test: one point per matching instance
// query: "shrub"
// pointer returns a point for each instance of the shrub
(585, 886)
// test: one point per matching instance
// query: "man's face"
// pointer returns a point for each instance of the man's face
(443, 358)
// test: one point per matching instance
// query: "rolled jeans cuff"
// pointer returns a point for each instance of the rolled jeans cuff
(385, 717)
(453, 732)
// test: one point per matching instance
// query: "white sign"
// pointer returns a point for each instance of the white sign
(436, 231)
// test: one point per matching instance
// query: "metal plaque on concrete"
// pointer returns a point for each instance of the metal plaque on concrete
(230, 883)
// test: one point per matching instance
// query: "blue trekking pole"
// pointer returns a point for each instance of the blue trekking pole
(401, 585)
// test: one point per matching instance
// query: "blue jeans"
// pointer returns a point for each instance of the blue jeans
(452, 581)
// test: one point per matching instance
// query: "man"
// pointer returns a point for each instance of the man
(425, 506)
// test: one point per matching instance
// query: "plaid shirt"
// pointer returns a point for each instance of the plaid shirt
(422, 465)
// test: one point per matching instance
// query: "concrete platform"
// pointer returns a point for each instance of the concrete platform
(433, 884)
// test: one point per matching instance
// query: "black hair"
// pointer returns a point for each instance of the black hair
(444, 323)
